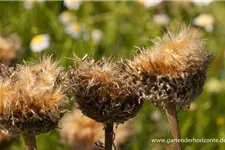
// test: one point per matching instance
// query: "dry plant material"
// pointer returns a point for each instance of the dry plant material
(31, 98)
(173, 72)
(80, 132)
(103, 93)
(10, 47)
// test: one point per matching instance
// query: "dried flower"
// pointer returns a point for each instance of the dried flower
(81, 132)
(172, 73)
(9, 48)
(174, 70)
(32, 100)
(72, 4)
(103, 92)
(40, 42)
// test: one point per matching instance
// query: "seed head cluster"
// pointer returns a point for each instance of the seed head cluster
(174, 70)
(81, 132)
(31, 99)
(102, 91)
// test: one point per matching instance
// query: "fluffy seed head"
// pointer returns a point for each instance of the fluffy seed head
(32, 100)
(9, 49)
(81, 132)
(102, 91)
(174, 70)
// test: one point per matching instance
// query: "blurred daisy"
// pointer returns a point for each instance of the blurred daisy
(72, 4)
(213, 86)
(161, 19)
(30, 3)
(149, 3)
(193, 107)
(96, 35)
(40, 42)
(66, 17)
(156, 115)
(202, 2)
(74, 30)
(204, 20)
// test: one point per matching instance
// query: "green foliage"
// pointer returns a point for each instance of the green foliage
(126, 24)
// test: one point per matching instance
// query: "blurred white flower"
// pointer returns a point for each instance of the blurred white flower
(204, 20)
(40, 42)
(202, 2)
(30, 3)
(213, 86)
(96, 35)
(74, 30)
(72, 4)
(161, 19)
(156, 115)
(149, 3)
(66, 17)
(193, 106)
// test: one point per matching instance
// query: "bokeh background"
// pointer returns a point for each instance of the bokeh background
(115, 28)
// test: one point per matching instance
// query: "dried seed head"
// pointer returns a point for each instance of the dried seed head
(81, 132)
(9, 48)
(102, 91)
(174, 71)
(5, 71)
(32, 101)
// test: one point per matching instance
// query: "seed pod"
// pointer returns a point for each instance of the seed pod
(31, 100)
(102, 91)
(174, 70)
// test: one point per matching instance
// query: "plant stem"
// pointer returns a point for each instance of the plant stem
(30, 142)
(171, 113)
(108, 136)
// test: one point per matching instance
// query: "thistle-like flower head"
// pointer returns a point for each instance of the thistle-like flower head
(174, 70)
(102, 91)
(33, 100)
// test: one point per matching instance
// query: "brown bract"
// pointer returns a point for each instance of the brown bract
(174, 70)
(102, 91)
(31, 100)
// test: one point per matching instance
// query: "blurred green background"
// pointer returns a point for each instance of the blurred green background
(115, 28)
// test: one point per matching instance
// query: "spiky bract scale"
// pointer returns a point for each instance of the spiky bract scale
(34, 101)
(174, 70)
(102, 91)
